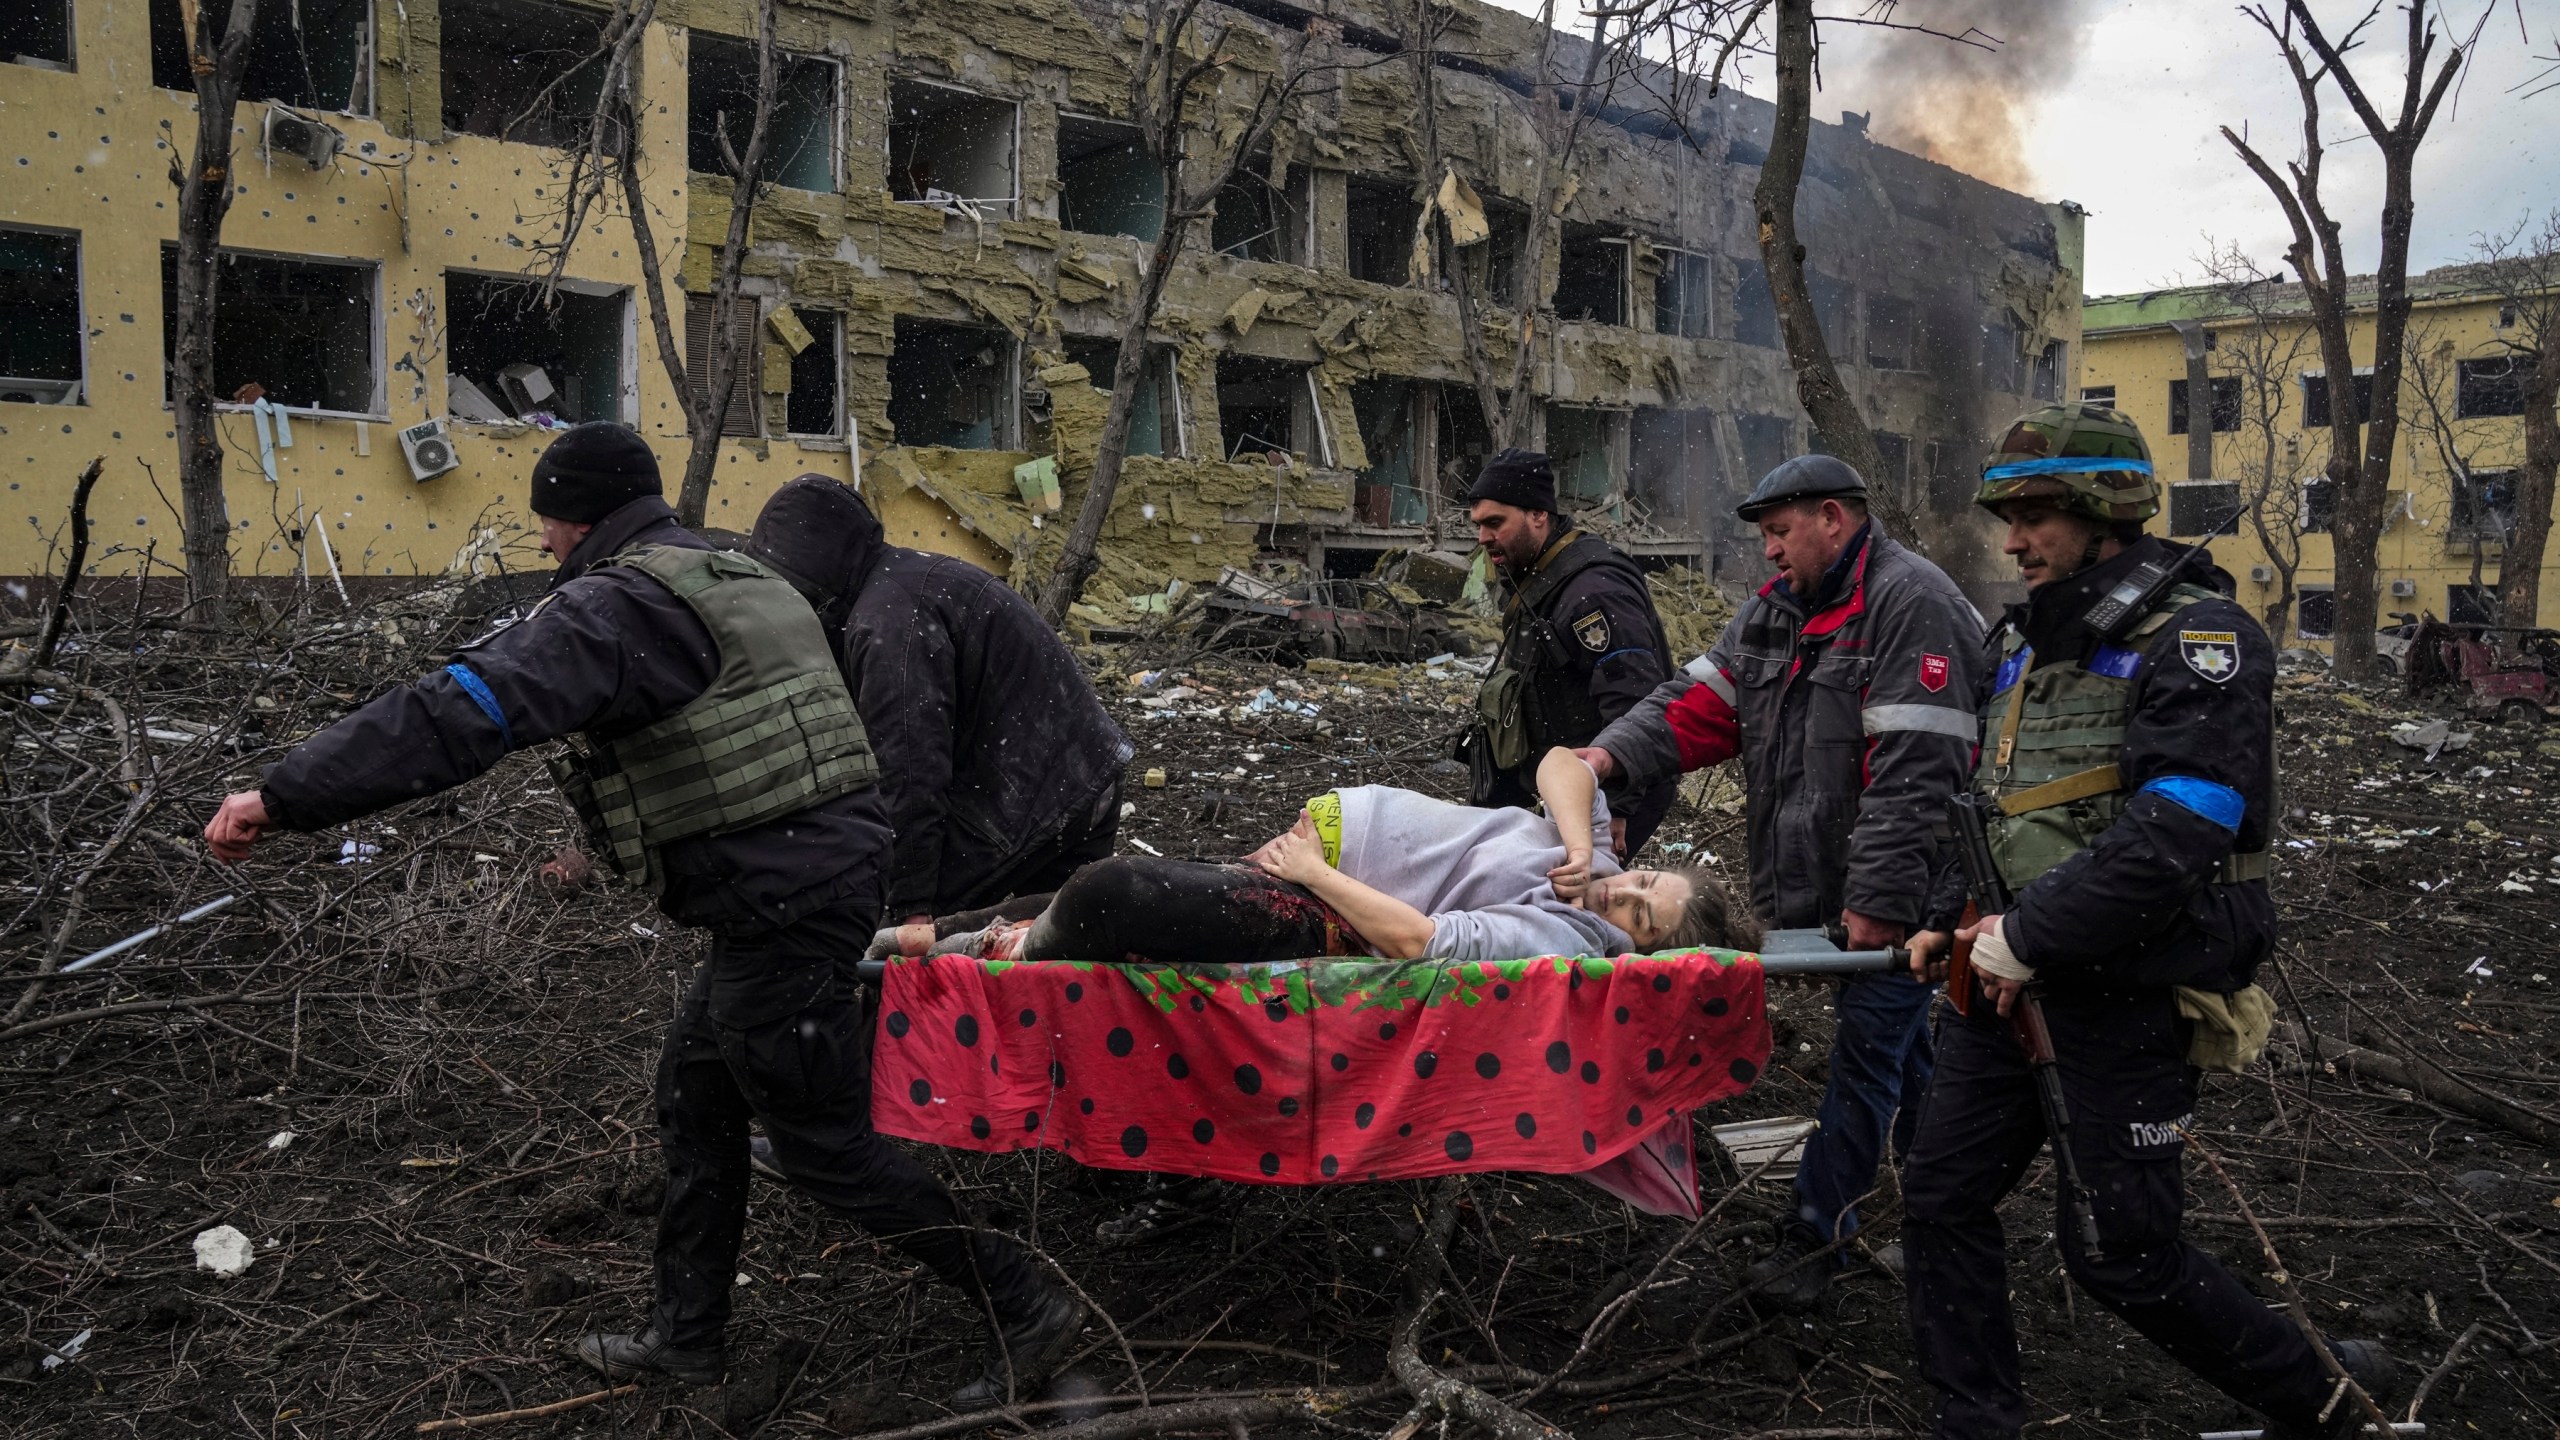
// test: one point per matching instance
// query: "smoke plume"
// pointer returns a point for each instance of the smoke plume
(1961, 103)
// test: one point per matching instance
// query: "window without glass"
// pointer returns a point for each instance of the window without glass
(2315, 399)
(2489, 387)
(2316, 611)
(815, 404)
(1257, 220)
(1378, 221)
(1680, 295)
(1755, 310)
(1155, 412)
(2484, 506)
(1390, 490)
(36, 32)
(947, 145)
(299, 330)
(1498, 258)
(720, 92)
(1767, 443)
(952, 385)
(1267, 406)
(1591, 277)
(1464, 441)
(1107, 185)
(2099, 395)
(1892, 325)
(2319, 505)
(2204, 507)
(1671, 462)
(511, 354)
(40, 328)
(2004, 367)
(2226, 404)
(699, 335)
(2046, 383)
(1588, 450)
(519, 69)
(2471, 604)
(317, 54)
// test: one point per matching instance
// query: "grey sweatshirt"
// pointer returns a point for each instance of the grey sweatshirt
(1481, 875)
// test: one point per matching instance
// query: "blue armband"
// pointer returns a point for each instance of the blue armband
(2218, 803)
(478, 689)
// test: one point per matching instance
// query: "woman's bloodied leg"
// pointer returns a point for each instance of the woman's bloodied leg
(1184, 912)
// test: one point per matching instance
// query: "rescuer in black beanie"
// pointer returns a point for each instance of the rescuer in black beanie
(593, 470)
(1520, 478)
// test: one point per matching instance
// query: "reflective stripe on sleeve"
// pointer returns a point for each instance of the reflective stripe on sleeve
(1929, 719)
(1706, 672)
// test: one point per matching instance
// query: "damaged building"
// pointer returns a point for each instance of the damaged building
(938, 281)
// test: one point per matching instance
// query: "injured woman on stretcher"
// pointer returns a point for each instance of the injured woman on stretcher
(1368, 870)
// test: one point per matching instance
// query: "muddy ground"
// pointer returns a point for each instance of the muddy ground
(419, 1082)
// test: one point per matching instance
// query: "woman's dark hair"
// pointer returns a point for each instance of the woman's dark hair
(1711, 919)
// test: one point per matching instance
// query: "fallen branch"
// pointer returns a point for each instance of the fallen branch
(1431, 1389)
(528, 1412)
(60, 615)
(2444, 1367)
(2422, 1078)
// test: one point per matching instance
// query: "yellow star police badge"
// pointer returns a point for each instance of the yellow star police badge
(1593, 631)
(2213, 654)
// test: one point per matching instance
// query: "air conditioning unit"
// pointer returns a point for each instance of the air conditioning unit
(2404, 589)
(430, 450)
(2262, 574)
(286, 133)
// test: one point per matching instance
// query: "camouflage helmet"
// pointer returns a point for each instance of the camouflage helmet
(2088, 459)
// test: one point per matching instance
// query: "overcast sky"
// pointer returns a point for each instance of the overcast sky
(2129, 97)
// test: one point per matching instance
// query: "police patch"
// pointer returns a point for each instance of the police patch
(1593, 631)
(1933, 673)
(2213, 654)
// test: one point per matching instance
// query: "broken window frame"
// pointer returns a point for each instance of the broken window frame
(2196, 504)
(702, 147)
(2490, 387)
(1407, 504)
(2466, 604)
(828, 340)
(67, 60)
(1159, 374)
(745, 419)
(1092, 125)
(1684, 292)
(2098, 395)
(2318, 502)
(2315, 397)
(2226, 404)
(1612, 424)
(623, 405)
(1586, 240)
(572, 88)
(2002, 364)
(168, 49)
(1773, 436)
(1004, 423)
(1005, 206)
(1379, 254)
(1289, 231)
(2044, 378)
(2326, 598)
(1892, 339)
(2468, 494)
(376, 404)
(1307, 433)
(35, 385)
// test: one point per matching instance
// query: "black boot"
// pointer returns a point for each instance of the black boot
(1792, 1278)
(1025, 1351)
(637, 1357)
(2374, 1370)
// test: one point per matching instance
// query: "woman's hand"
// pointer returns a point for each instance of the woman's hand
(1296, 855)
(1572, 879)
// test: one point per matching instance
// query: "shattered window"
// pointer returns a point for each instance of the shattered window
(952, 385)
(2204, 507)
(1389, 492)
(316, 54)
(815, 404)
(1680, 295)
(1500, 276)
(2099, 395)
(1591, 278)
(1378, 222)
(2488, 387)
(40, 325)
(2315, 399)
(1671, 462)
(1258, 220)
(1107, 183)
(2226, 404)
(1154, 412)
(296, 332)
(1892, 325)
(720, 92)
(700, 334)
(2319, 505)
(1266, 407)
(2484, 505)
(2316, 612)
(1587, 449)
(1755, 310)
(510, 355)
(2471, 604)
(1464, 442)
(2047, 382)
(951, 147)
(38, 31)
(2003, 363)
(521, 70)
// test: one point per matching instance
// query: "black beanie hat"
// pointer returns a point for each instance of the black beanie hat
(592, 471)
(1517, 477)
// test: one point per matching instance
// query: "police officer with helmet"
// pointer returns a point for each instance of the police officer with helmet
(1581, 644)
(1845, 687)
(717, 761)
(2127, 768)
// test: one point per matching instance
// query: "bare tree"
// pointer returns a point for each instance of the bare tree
(1176, 75)
(2431, 379)
(2523, 271)
(205, 189)
(2264, 353)
(2316, 255)
(609, 161)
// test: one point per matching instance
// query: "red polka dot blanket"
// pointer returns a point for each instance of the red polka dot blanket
(1304, 1072)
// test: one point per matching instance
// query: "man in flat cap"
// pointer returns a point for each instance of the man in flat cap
(1581, 644)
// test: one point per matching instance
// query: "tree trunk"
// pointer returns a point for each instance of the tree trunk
(2520, 569)
(746, 176)
(204, 199)
(1837, 426)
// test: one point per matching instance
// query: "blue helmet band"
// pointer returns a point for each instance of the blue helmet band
(2067, 465)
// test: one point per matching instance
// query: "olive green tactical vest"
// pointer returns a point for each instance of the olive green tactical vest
(775, 733)
(2050, 743)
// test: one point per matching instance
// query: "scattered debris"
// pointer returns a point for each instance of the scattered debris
(224, 1251)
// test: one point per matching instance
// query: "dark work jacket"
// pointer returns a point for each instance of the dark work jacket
(606, 653)
(1854, 718)
(990, 739)
(2139, 908)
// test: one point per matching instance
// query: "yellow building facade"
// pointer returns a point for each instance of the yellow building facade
(2264, 505)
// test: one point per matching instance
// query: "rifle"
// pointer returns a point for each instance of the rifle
(1968, 820)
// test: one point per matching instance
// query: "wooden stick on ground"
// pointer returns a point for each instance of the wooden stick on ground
(528, 1412)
